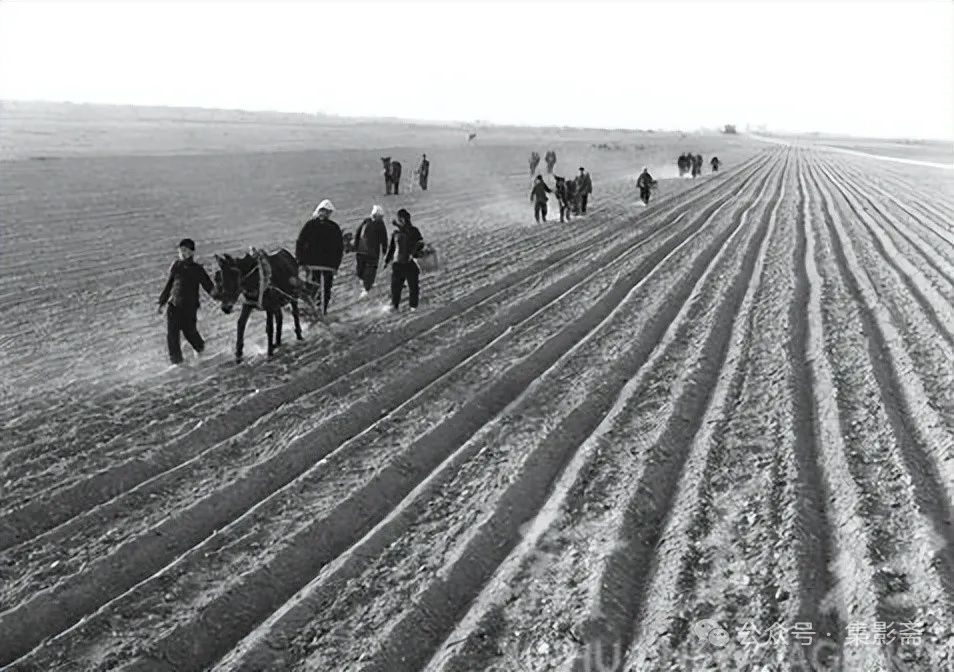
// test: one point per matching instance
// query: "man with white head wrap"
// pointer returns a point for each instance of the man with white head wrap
(319, 249)
(371, 240)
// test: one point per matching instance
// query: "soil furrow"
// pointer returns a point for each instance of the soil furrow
(559, 439)
(45, 513)
(906, 586)
(167, 550)
(533, 603)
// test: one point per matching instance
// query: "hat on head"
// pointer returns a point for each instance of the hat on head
(403, 215)
(581, 169)
(377, 210)
(187, 242)
(324, 205)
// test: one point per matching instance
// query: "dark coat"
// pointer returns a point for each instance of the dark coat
(645, 181)
(182, 287)
(584, 185)
(320, 244)
(539, 192)
(406, 243)
(371, 238)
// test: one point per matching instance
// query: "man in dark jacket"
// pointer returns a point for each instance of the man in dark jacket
(182, 295)
(372, 241)
(715, 164)
(423, 171)
(645, 182)
(538, 196)
(584, 188)
(406, 243)
(319, 250)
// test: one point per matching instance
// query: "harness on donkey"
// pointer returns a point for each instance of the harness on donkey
(264, 270)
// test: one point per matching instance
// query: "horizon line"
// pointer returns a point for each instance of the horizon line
(759, 128)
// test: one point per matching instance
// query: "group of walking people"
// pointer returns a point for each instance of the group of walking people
(550, 158)
(572, 195)
(691, 164)
(319, 252)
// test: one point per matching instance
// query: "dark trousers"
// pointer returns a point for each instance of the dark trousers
(326, 279)
(424, 182)
(564, 211)
(540, 211)
(644, 194)
(366, 268)
(181, 321)
(583, 203)
(401, 273)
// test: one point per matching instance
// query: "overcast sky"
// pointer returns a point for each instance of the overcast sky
(867, 68)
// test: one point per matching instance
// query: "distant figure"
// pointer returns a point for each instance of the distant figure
(562, 198)
(406, 244)
(534, 162)
(423, 171)
(471, 136)
(584, 188)
(645, 182)
(538, 196)
(371, 240)
(715, 164)
(319, 250)
(683, 164)
(550, 160)
(697, 165)
(181, 292)
(392, 175)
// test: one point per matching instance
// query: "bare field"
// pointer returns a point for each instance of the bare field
(734, 406)
(934, 151)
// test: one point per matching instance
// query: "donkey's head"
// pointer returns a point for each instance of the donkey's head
(228, 281)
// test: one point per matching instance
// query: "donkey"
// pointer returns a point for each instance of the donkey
(392, 175)
(264, 282)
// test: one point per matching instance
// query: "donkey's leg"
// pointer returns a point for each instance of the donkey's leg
(270, 330)
(278, 326)
(240, 335)
(294, 308)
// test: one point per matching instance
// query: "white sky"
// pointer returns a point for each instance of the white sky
(867, 68)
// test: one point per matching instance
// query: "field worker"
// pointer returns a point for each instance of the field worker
(319, 250)
(406, 243)
(645, 182)
(562, 199)
(371, 240)
(182, 294)
(423, 171)
(538, 196)
(697, 165)
(715, 164)
(584, 189)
